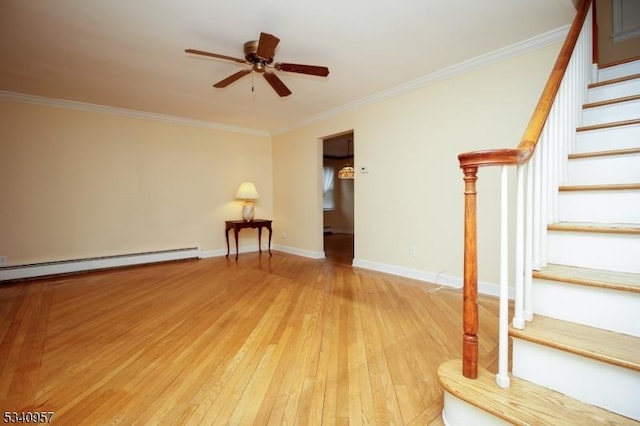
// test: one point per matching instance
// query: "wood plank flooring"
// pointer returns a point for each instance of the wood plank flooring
(280, 340)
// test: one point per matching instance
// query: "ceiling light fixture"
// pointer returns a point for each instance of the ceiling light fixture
(347, 172)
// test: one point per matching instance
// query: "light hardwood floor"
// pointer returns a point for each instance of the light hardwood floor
(281, 340)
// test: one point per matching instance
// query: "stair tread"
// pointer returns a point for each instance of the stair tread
(612, 101)
(626, 281)
(600, 187)
(610, 228)
(523, 403)
(614, 81)
(608, 125)
(614, 348)
(590, 154)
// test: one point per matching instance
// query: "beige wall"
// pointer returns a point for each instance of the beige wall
(608, 50)
(412, 195)
(82, 184)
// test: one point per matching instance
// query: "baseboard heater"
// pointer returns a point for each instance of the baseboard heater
(78, 265)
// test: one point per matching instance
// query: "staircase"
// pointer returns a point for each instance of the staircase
(578, 361)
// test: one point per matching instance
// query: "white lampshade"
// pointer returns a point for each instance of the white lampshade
(247, 191)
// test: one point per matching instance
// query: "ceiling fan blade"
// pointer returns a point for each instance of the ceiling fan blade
(233, 77)
(303, 69)
(215, 55)
(277, 84)
(267, 46)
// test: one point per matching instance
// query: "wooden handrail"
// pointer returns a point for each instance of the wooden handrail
(470, 161)
(527, 145)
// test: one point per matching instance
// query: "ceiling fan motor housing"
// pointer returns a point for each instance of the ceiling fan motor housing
(251, 55)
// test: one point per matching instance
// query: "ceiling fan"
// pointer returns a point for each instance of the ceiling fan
(259, 54)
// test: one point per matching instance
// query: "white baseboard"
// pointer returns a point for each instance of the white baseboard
(232, 252)
(299, 252)
(215, 253)
(487, 288)
(78, 265)
(69, 266)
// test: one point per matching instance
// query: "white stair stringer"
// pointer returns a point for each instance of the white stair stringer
(605, 308)
(618, 206)
(604, 385)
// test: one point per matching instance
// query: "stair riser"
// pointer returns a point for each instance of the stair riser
(622, 137)
(457, 412)
(618, 71)
(613, 310)
(612, 91)
(609, 113)
(610, 169)
(613, 252)
(599, 206)
(604, 385)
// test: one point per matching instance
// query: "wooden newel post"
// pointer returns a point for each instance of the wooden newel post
(470, 303)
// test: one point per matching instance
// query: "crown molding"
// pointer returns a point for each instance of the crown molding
(534, 43)
(529, 45)
(103, 109)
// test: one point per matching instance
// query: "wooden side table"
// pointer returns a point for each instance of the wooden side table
(237, 225)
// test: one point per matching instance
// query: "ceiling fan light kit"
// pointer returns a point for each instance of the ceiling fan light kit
(259, 54)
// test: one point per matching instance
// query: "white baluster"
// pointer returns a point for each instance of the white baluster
(565, 124)
(537, 210)
(551, 141)
(518, 319)
(502, 378)
(544, 164)
(528, 248)
(558, 122)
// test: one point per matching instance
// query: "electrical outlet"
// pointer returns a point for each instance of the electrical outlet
(412, 251)
(3, 260)
(284, 235)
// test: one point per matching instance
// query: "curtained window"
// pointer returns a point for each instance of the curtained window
(327, 188)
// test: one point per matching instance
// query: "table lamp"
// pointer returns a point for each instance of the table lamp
(247, 192)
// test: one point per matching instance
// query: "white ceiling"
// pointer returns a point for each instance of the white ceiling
(130, 54)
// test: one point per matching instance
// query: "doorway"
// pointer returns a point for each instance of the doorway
(338, 198)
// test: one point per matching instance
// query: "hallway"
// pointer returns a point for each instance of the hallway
(338, 247)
